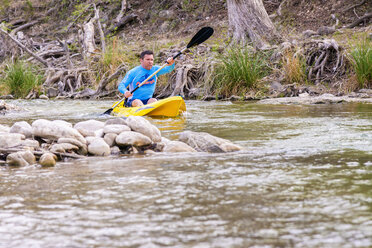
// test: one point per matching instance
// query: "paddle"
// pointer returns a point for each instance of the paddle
(201, 36)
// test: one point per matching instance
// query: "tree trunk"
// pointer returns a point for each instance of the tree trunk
(248, 20)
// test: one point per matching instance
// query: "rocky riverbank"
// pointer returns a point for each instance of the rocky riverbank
(45, 142)
(305, 98)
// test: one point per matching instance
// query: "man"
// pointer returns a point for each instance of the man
(143, 95)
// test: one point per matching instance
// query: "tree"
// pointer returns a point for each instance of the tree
(248, 20)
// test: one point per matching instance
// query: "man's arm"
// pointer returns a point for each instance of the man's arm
(125, 82)
(168, 68)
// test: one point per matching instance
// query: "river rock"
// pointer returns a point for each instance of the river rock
(44, 97)
(30, 143)
(177, 146)
(69, 147)
(99, 147)
(62, 122)
(115, 150)
(148, 151)
(115, 128)
(57, 148)
(4, 129)
(110, 138)
(8, 140)
(130, 138)
(23, 128)
(143, 126)
(48, 159)
(83, 148)
(90, 128)
(120, 121)
(72, 141)
(22, 158)
(205, 142)
(307, 99)
(54, 130)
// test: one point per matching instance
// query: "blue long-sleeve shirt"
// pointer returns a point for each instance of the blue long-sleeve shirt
(137, 75)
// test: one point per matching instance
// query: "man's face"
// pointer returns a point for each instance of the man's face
(148, 61)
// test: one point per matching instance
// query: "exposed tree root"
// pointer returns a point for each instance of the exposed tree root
(325, 60)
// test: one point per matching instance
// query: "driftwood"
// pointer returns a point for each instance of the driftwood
(102, 35)
(182, 81)
(65, 70)
(122, 11)
(123, 21)
(354, 6)
(366, 17)
(89, 43)
(24, 26)
(38, 58)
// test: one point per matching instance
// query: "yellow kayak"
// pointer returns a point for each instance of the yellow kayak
(169, 107)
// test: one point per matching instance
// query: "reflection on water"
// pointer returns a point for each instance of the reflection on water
(303, 180)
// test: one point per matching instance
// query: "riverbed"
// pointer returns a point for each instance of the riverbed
(304, 179)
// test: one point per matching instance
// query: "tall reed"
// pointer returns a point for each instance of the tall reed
(294, 67)
(362, 62)
(240, 69)
(20, 78)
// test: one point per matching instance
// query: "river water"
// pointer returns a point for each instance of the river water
(304, 179)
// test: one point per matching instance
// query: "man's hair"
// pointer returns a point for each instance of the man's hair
(147, 52)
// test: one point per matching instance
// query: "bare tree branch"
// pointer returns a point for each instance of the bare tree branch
(102, 35)
(44, 62)
(357, 22)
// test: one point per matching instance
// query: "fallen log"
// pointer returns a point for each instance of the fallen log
(120, 25)
(360, 20)
(24, 26)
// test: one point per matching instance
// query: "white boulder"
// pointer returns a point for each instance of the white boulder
(143, 126)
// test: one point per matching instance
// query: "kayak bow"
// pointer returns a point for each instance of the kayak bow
(168, 107)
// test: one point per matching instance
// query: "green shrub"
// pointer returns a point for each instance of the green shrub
(20, 78)
(239, 70)
(362, 62)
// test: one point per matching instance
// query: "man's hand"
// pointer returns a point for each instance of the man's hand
(170, 61)
(127, 94)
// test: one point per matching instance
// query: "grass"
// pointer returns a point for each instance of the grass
(361, 54)
(294, 67)
(115, 55)
(239, 70)
(20, 78)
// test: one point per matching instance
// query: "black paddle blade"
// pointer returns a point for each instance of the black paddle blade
(201, 36)
(108, 112)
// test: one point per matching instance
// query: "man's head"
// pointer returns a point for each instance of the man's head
(147, 59)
